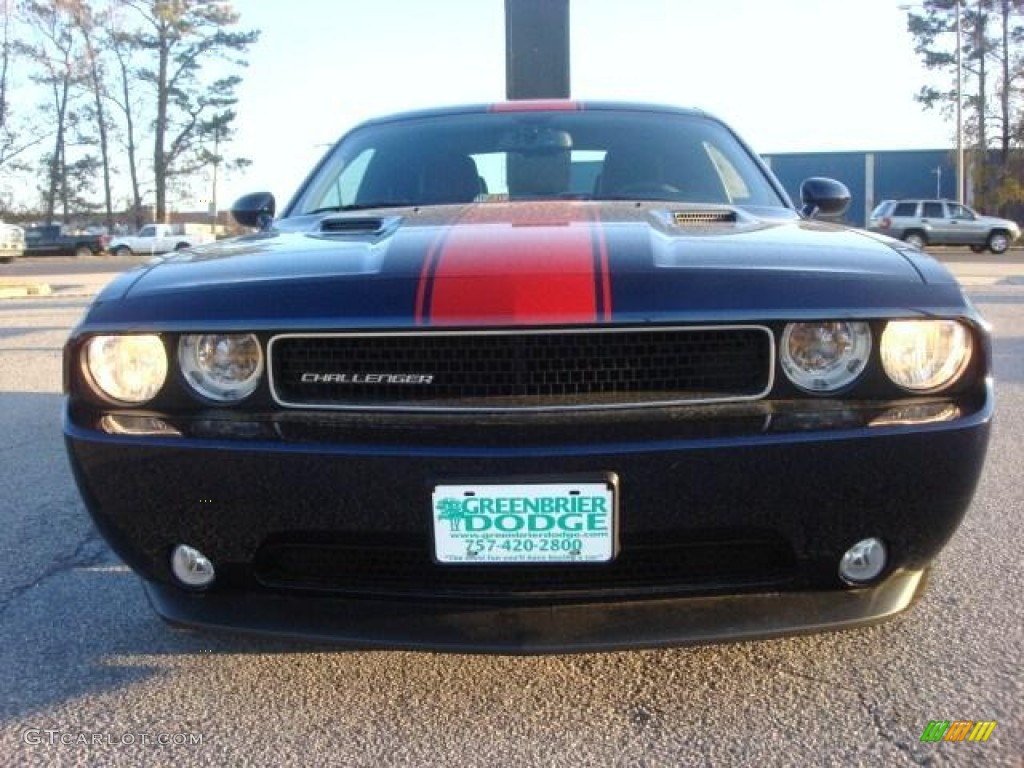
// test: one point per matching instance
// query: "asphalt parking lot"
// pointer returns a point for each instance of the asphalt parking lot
(89, 675)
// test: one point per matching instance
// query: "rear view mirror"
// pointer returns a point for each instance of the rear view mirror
(536, 140)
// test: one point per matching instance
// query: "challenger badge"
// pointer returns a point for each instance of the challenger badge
(366, 378)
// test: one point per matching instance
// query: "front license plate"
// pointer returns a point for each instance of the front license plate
(524, 523)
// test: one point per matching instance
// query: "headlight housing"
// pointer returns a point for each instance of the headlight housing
(925, 355)
(225, 367)
(825, 356)
(127, 369)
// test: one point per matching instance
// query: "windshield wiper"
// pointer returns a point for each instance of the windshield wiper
(363, 206)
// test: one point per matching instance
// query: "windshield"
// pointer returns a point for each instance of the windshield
(498, 157)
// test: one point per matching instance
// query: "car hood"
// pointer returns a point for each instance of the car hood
(500, 264)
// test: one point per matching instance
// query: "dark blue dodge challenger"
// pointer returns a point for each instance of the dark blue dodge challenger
(539, 376)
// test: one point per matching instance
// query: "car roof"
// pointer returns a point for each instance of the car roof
(540, 105)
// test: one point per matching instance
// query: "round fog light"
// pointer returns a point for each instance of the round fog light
(191, 567)
(862, 562)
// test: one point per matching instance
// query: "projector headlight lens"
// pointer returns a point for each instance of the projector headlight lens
(127, 369)
(221, 367)
(925, 355)
(825, 357)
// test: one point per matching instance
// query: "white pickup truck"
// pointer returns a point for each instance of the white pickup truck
(12, 242)
(157, 238)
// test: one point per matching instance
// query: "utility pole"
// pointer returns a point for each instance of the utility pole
(213, 194)
(960, 175)
(959, 112)
(536, 49)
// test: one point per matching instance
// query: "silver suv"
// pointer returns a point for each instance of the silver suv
(942, 222)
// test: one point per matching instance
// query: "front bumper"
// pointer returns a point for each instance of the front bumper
(496, 628)
(290, 506)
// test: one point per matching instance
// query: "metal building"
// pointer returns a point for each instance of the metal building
(872, 176)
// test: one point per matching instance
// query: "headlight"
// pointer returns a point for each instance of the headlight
(127, 369)
(825, 356)
(221, 367)
(925, 355)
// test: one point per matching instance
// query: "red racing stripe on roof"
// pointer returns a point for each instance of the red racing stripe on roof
(538, 105)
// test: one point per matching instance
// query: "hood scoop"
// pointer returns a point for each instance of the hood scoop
(702, 219)
(374, 226)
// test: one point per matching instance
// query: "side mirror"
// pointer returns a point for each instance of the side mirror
(255, 210)
(823, 197)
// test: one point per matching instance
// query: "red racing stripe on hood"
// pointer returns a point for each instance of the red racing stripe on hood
(603, 270)
(518, 264)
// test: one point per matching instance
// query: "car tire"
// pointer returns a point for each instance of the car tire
(181, 246)
(82, 251)
(123, 252)
(998, 242)
(916, 239)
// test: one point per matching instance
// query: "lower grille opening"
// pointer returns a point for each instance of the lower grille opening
(647, 565)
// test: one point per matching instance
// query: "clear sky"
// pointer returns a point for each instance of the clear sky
(788, 75)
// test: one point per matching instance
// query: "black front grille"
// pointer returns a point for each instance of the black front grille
(522, 369)
(646, 564)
